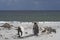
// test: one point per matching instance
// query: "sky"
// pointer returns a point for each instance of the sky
(29, 4)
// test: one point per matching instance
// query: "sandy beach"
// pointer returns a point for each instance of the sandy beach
(11, 34)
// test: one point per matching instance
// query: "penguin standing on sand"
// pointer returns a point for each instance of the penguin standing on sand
(35, 29)
(19, 32)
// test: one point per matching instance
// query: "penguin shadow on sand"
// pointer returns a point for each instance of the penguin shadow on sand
(31, 35)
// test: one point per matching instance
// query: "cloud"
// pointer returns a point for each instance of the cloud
(9, 2)
(29, 4)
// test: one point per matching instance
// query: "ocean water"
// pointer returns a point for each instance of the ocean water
(29, 18)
